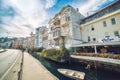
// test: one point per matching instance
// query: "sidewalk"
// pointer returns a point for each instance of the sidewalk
(34, 70)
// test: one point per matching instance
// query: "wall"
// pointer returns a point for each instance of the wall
(99, 30)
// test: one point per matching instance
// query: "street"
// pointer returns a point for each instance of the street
(7, 59)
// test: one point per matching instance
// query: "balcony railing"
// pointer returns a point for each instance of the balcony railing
(56, 34)
(56, 28)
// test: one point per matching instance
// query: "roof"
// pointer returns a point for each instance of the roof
(105, 8)
(57, 14)
(96, 44)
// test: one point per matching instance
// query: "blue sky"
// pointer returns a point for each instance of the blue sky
(20, 17)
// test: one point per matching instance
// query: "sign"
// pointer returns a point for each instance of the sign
(109, 39)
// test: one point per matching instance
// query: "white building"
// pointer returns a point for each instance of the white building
(39, 37)
(25, 43)
(45, 38)
(65, 23)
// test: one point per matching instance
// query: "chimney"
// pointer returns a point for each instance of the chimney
(77, 9)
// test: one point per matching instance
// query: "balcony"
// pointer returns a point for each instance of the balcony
(56, 28)
(64, 33)
(64, 23)
(65, 20)
(56, 34)
(56, 22)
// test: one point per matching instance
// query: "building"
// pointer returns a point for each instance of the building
(45, 38)
(25, 43)
(6, 42)
(17, 44)
(101, 30)
(31, 41)
(65, 23)
(39, 37)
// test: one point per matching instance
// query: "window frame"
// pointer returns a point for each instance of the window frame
(113, 21)
(92, 29)
(118, 35)
(104, 24)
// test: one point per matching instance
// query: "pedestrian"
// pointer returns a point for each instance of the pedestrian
(23, 50)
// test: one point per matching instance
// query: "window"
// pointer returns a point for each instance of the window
(67, 18)
(68, 10)
(37, 29)
(117, 33)
(92, 28)
(113, 21)
(51, 28)
(45, 38)
(53, 34)
(58, 33)
(94, 39)
(89, 38)
(104, 23)
(57, 43)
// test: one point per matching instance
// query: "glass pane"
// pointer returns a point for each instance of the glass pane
(113, 21)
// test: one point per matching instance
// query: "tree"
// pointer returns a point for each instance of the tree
(63, 51)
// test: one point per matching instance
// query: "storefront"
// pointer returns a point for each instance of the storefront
(106, 47)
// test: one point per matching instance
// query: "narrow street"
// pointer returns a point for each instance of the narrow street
(7, 59)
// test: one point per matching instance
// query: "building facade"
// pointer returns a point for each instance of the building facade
(39, 37)
(105, 27)
(17, 44)
(65, 23)
(45, 38)
(30, 41)
(102, 29)
(93, 33)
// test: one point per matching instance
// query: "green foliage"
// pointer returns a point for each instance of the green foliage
(64, 53)
(38, 49)
(55, 54)
(43, 53)
(51, 53)
(32, 50)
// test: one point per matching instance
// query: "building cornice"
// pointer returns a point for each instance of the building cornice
(101, 18)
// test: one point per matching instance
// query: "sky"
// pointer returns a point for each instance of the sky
(18, 18)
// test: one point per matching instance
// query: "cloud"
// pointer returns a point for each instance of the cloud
(21, 17)
(30, 14)
(91, 6)
(50, 3)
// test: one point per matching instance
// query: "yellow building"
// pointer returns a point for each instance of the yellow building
(102, 29)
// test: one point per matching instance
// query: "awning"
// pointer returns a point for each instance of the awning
(96, 44)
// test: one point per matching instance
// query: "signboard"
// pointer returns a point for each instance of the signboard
(109, 39)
